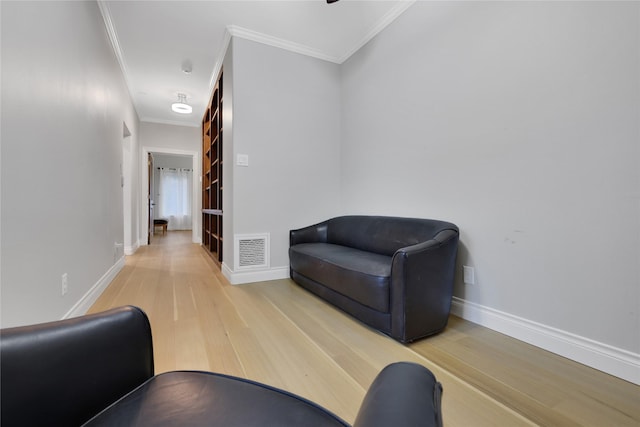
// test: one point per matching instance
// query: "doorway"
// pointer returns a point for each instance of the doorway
(150, 198)
(172, 186)
(147, 190)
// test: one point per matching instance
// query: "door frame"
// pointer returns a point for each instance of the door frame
(150, 201)
(128, 183)
(195, 199)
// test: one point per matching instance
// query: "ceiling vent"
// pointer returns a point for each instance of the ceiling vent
(251, 251)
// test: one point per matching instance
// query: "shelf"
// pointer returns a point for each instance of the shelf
(216, 212)
(212, 149)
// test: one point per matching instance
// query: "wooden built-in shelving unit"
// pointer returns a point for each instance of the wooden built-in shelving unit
(212, 174)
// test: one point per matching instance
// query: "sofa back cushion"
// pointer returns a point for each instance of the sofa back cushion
(62, 373)
(382, 234)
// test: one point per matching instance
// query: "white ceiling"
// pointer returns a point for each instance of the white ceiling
(153, 39)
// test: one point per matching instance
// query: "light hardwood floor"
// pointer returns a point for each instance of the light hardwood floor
(277, 333)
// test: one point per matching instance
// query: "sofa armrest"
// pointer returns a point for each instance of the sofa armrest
(440, 239)
(402, 395)
(422, 278)
(312, 234)
(64, 372)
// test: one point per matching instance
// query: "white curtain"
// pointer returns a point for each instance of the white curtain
(175, 198)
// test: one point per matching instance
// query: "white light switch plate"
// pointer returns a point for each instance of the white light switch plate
(242, 160)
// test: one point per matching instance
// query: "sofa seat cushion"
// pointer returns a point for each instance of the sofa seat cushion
(359, 275)
(188, 398)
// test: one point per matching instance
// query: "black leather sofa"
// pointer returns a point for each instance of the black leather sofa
(394, 274)
(97, 370)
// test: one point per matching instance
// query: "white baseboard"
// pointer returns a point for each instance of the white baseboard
(615, 361)
(130, 250)
(240, 277)
(83, 305)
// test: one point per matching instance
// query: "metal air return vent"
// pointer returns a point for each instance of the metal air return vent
(251, 251)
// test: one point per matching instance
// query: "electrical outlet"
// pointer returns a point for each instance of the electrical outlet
(469, 275)
(118, 248)
(65, 284)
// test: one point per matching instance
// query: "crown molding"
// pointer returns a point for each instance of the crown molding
(237, 31)
(387, 19)
(220, 59)
(115, 44)
(255, 36)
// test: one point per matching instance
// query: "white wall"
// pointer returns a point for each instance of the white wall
(64, 103)
(519, 122)
(286, 118)
(171, 161)
(170, 139)
(227, 159)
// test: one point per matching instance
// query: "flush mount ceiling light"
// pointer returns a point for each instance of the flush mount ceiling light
(181, 106)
